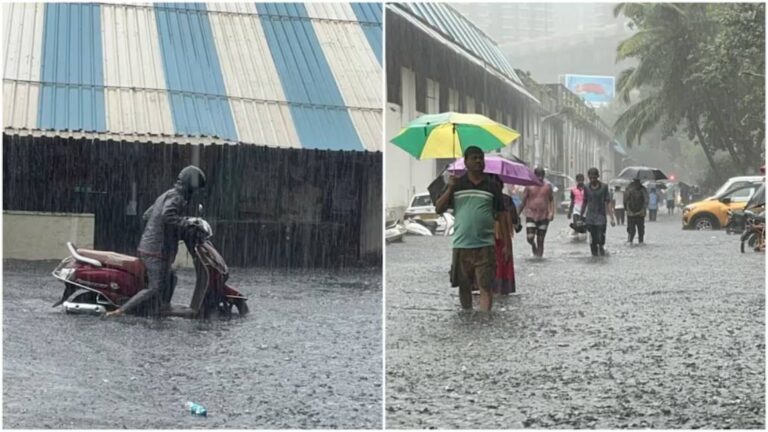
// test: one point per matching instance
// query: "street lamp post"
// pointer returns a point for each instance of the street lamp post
(537, 139)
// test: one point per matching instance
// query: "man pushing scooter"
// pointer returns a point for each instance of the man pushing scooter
(165, 227)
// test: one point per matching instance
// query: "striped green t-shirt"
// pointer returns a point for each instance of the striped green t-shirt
(475, 207)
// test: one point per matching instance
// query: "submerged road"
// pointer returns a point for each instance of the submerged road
(308, 356)
(667, 335)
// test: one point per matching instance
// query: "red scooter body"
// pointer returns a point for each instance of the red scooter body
(99, 281)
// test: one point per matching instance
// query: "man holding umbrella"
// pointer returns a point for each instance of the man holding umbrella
(478, 203)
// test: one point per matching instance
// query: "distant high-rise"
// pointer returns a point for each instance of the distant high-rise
(506, 22)
(573, 17)
(552, 39)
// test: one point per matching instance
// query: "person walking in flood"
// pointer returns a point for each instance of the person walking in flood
(576, 208)
(597, 202)
(653, 203)
(478, 204)
(670, 195)
(505, 268)
(618, 205)
(636, 202)
(539, 206)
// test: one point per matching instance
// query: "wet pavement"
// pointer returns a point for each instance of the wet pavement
(308, 356)
(666, 335)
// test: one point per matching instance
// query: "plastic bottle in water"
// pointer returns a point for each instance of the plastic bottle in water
(196, 409)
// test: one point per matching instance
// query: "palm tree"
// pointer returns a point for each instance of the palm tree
(665, 45)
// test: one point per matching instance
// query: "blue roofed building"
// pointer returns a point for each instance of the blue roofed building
(279, 103)
(290, 75)
(438, 61)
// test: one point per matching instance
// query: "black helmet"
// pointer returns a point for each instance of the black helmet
(191, 179)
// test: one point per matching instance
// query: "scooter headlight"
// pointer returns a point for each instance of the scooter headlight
(206, 227)
(203, 226)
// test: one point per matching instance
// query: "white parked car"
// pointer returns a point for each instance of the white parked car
(422, 210)
(422, 207)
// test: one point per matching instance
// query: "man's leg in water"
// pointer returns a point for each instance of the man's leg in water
(601, 239)
(530, 235)
(631, 226)
(463, 276)
(485, 273)
(640, 228)
(593, 239)
(157, 271)
(541, 232)
(168, 289)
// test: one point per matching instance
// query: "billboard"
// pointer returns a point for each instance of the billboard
(595, 90)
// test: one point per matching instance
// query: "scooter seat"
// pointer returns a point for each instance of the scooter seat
(115, 260)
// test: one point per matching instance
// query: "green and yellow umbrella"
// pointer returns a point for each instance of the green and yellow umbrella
(447, 135)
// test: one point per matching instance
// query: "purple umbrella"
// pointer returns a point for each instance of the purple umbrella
(509, 171)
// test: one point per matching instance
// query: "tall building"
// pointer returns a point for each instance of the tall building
(573, 17)
(574, 38)
(507, 22)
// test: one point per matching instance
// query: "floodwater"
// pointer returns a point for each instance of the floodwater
(308, 356)
(666, 335)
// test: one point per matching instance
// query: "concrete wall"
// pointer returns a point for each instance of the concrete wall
(405, 176)
(43, 236)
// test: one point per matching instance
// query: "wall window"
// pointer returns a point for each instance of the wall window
(470, 104)
(433, 97)
(453, 100)
(408, 97)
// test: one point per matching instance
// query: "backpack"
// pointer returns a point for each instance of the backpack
(635, 200)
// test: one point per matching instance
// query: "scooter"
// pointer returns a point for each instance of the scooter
(448, 222)
(99, 281)
(417, 227)
(394, 232)
(754, 232)
(736, 222)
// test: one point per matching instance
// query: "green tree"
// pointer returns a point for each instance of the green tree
(730, 74)
(698, 66)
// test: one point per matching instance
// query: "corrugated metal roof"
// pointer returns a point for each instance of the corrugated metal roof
(453, 25)
(250, 76)
(199, 105)
(321, 117)
(136, 99)
(72, 93)
(369, 15)
(206, 70)
(355, 67)
(22, 45)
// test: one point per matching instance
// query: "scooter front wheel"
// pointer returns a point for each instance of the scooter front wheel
(748, 239)
(242, 306)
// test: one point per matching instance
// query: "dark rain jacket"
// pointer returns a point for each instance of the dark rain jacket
(631, 187)
(165, 225)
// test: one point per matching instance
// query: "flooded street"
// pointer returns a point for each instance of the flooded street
(667, 335)
(308, 356)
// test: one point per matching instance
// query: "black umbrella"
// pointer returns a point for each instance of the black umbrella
(645, 173)
(436, 188)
